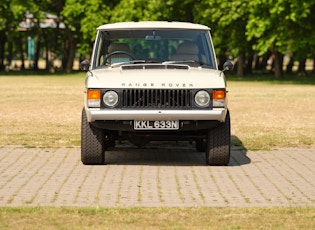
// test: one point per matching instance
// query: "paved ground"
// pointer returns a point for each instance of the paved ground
(158, 175)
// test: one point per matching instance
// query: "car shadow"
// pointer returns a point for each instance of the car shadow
(238, 153)
(169, 153)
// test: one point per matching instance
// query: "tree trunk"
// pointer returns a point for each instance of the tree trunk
(278, 62)
(3, 39)
(302, 65)
(256, 62)
(240, 65)
(70, 51)
(290, 65)
(264, 61)
(249, 65)
(250, 59)
(47, 57)
(48, 51)
(64, 55)
(37, 52)
(22, 54)
(10, 53)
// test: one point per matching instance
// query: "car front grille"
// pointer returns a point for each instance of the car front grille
(157, 98)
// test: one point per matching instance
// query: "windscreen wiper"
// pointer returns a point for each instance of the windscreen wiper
(140, 61)
(143, 61)
(187, 62)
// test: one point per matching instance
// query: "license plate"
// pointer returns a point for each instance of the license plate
(151, 125)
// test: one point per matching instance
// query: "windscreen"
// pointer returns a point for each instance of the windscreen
(191, 47)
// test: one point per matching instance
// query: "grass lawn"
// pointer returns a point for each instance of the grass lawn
(267, 115)
(41, 110)
(157, 218)
(45, 111)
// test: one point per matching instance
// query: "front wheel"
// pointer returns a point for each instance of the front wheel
(218, 143)
(92, 143)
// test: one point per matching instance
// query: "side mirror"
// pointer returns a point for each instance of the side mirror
(85, 65)
(227, 66)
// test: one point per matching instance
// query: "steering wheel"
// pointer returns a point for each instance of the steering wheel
(118, 52)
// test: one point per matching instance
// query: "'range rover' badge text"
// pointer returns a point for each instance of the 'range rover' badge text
(182, 85)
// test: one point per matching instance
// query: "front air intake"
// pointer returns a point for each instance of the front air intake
(157, 98)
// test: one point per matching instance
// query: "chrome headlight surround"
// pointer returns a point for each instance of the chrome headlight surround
(110, 98)
(202, 98)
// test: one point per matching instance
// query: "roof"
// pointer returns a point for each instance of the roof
(152, 24)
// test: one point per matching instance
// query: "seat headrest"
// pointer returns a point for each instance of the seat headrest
(118, 47)
(187, 48)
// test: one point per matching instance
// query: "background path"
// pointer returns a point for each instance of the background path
(158, 175)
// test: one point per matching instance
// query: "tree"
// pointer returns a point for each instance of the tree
(239, 28)
(12, 13)
(81, 19)
(275, 26)
(141, 10)
(51, 38)
(228, 20)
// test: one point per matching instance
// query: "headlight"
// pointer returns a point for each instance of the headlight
(110, 98)
(202, 98)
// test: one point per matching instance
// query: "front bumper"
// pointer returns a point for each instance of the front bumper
(217, 114)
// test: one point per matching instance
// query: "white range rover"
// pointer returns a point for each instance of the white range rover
(149, 81)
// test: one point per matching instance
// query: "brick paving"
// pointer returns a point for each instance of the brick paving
(158, 175)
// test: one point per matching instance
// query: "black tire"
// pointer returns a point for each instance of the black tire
(219, 144)
(92, 143)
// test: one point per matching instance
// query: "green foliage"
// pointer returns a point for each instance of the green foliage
(12, 13)
(286, 26)
(282, 24)
(228, 20)
(83, 17)
(129, 10)
(142, 10)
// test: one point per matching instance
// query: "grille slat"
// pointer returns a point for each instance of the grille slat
(157, 98)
